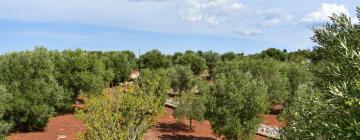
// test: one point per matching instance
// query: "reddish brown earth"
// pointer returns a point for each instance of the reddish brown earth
(66, 127)
(168, 128)
(269, 120)
(62, 127)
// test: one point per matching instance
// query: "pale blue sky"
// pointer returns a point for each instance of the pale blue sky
(168, 25)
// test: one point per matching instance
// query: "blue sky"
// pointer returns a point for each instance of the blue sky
(168, 25)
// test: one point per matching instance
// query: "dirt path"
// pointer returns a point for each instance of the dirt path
(63, 127)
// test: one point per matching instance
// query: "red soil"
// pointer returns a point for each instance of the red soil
(269, 120)
(168, 128)
(66, 127)
(63, 127)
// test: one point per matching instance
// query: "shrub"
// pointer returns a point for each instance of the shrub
(124, 114)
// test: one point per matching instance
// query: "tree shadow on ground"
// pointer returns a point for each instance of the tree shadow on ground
(183, 137)
(174, 127)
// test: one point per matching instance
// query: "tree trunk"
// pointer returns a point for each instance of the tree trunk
(190, 124)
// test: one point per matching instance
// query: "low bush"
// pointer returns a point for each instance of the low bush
(124, 114)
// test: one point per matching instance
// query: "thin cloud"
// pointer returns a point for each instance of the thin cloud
(212, 12)
(232, 15)
(249, 32)
(274, 17)
(324, 12)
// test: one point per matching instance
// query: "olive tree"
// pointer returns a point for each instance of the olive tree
(190, 106)
(273, 72)
(196, 62)
(123, 114)
(181, 78)
(275, 54)
(337, 77)
(5, 98)
(154, 59)
(229, 56)
(80, 71)
(36, 95)
(237, 100)
(120, 63)
(211, 59)
(127, 112)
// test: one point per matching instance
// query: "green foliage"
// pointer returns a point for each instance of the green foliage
(176, 56)
(300, 56)
(275, 54)
(43, 82)
(211, 59)
(122, 115)
(305, 115)
(126, 113)
(201, 86)
(120, 63)
(229, 56)
(273, 72)
(5, 98)
(154, 59)
(35, 92)
(237, 100)
(340, 42)
(196, 62)
(154, 82)
(298, 74)
(335, 114)
(190, 106)
(181, 78)
(82, 71)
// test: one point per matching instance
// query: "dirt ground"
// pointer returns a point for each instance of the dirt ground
(66, 127)
(168, 128)
(63, 127)
(269, 120)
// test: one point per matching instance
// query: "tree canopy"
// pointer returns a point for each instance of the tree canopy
(196, 62)
(237, 100)
(333, 111)
(154, 59)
